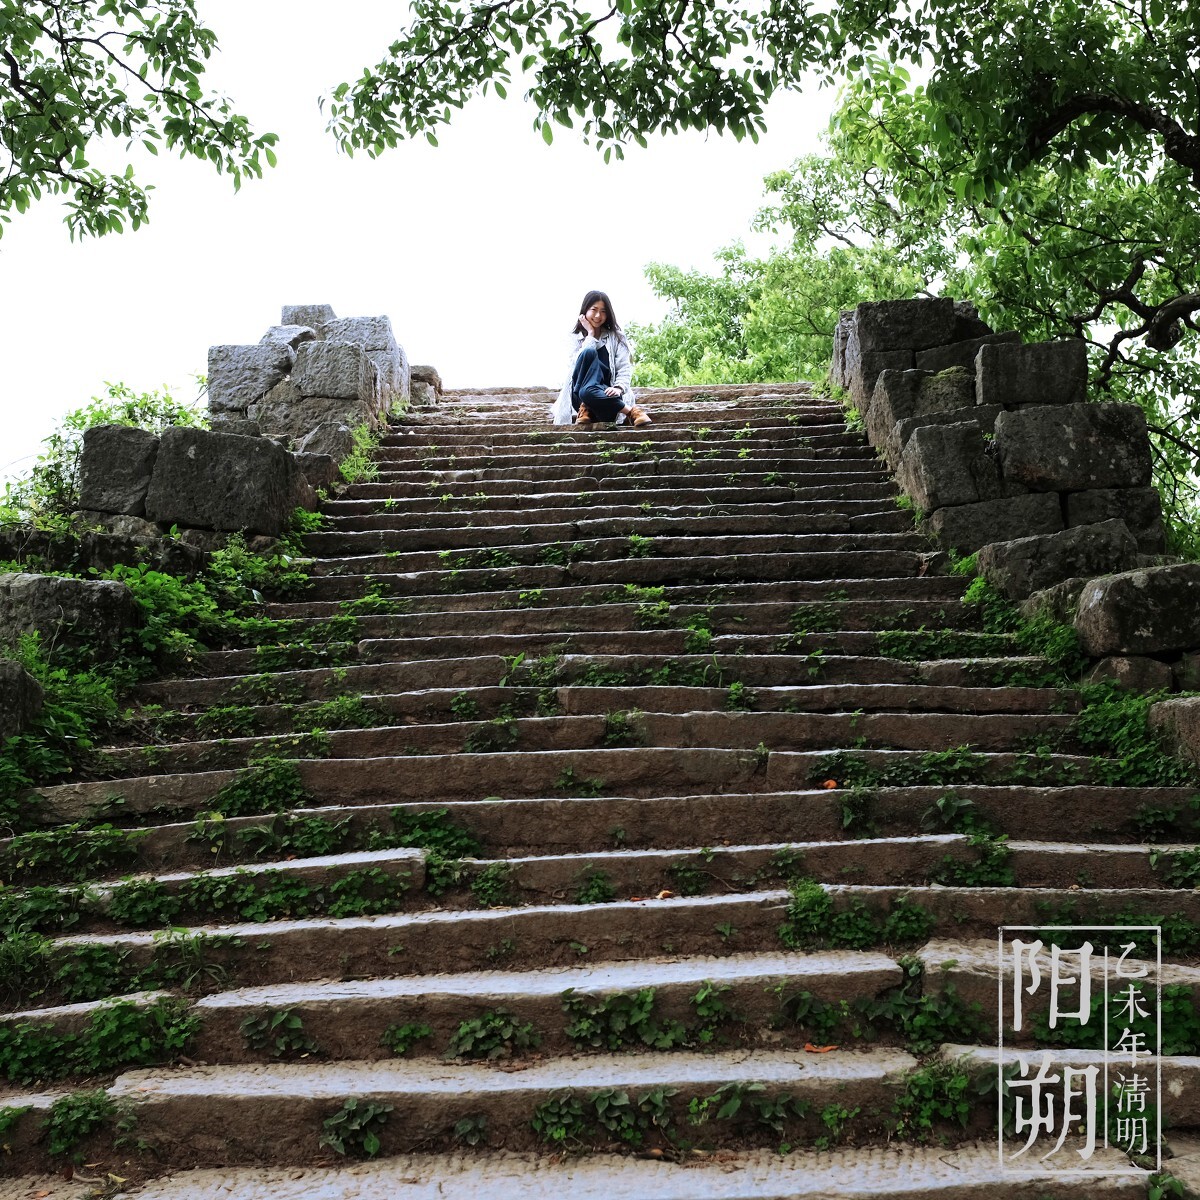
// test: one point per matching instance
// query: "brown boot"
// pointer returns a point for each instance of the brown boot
(639, 415)
(583, 417)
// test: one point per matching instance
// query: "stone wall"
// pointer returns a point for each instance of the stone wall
(311, 380)
(999, 450)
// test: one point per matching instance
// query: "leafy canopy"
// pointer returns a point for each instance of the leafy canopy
(76, 73)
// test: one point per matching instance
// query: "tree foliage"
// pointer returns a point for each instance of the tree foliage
(760, 320)
(49, 495)
(75, 74)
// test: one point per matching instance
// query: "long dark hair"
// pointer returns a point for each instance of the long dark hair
(591, 299)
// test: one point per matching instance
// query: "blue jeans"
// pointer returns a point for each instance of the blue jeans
(588, 383)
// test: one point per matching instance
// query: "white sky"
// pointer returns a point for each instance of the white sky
(479, 250)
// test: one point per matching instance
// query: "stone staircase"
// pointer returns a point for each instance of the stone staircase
(502, 841)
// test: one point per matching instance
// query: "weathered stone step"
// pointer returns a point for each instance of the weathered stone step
(649, 441)
(523, 827)
(535, 615)
(387, 876)
(347, 1019)
(788, 444)
(714, 490)
(608, 549)
(274, 1112)
(401, 535)
(636, 771)
(696, 670)
(651, 571)
(773, 730)
(422, 515)
(637, 642)
(444, 705)
(643, 478)
(897, 1172)
(915, 589)
(537, 936)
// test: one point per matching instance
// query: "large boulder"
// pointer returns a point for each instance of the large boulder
(1040, 373)
(332, 439)
(61, 609)
(1074, 447)
(115, 466)
(900, 395)
(375, 336)
(335, 371)
(240, 375)
(1026, 565)
(20, 698)
(314, 316)
(1178, 721)
(1133, 672)
(961, 354)
(947, 465)
(1139, 508)
(225, 482)
(897, 439)
(905, 324)
(1145, 611)
(967, 527)
(288, 335)
(287, 414)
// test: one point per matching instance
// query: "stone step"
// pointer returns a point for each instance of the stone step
(507, 828)
(649, 442)
(609, 549)
(928, 589)
(636, 477)
(401, 535)
(441, 706)
(696, 670)
(782, 731)
(350, 516)
(210, 1115)
(650, 571)
(535, 616)
(714, 490)
(296, 650)
(636, 771)
(347, 1019)
(897, 1172)
(626, 930)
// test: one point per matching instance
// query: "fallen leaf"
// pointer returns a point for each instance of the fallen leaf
(829, 784)
(818, 1049)
(636, 899)
(665, 895)
(40, 1195)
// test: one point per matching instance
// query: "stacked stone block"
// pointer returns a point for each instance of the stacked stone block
(997, 446)
(311, 380)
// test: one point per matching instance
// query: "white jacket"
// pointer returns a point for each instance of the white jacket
(620, 364)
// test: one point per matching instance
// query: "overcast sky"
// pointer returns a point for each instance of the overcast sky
(479, 250)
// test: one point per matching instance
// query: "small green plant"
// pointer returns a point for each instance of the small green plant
(574, 785)
(640, 547)
(493, 886)
(619, 1020)
(355, 1128)
(934, 1094)
(471, 1130)
(278, 1033)
(597, 888)
(560, 1120)
(493, 1034)
(400, 1039)
(75, 1117)
(739, 698)
(464, 707)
